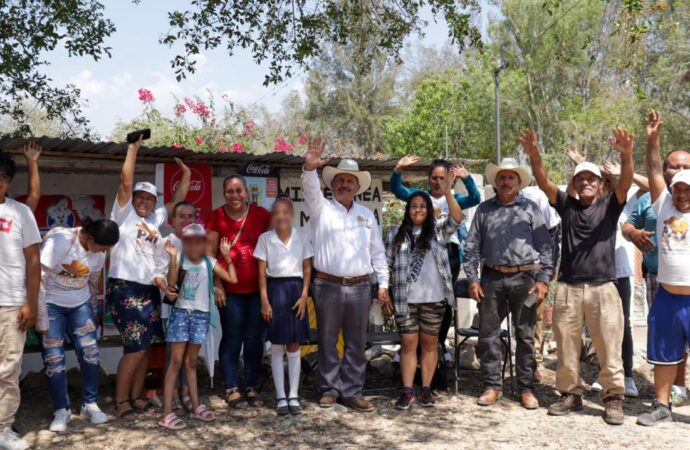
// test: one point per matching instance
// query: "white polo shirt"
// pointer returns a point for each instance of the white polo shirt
(284, 259)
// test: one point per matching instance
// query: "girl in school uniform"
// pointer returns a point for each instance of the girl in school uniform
(283, 254)
(192, 314)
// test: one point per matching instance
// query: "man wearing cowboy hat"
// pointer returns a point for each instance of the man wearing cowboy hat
(509, 237)
(586, 291)
(348, 249)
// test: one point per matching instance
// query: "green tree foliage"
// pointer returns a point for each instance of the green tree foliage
(28, 30)
(285, 33)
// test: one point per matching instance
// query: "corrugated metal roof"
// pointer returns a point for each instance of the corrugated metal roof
(114, 150)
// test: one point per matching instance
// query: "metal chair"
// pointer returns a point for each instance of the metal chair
(467, 333)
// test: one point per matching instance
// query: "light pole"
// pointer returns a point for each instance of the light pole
(497, 72)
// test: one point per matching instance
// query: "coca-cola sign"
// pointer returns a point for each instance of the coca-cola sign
(258, 169)
(199, 192)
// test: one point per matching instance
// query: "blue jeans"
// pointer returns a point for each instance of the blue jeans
(242, 323)
(79, 324)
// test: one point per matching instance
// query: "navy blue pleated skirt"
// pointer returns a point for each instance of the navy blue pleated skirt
(286, 328)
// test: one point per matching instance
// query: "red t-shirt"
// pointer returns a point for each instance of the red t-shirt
(242, 253)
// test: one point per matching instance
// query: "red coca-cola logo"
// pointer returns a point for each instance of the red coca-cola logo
(196, 185)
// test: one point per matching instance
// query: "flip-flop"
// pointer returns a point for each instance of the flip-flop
(128, 414)
(203, 414)
(172, 422)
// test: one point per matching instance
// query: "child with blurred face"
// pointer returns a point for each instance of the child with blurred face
(284, 257)
(190, 286)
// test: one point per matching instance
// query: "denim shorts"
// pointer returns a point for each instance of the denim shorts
(186, 325)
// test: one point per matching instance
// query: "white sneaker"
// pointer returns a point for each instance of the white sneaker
(61, 419)
(92, 412)
(596, 387)
(9, 440)
(630, 388)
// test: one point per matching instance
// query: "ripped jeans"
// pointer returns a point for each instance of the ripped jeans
(80, 325)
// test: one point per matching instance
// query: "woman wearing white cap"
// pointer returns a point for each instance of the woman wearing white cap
(132, 297)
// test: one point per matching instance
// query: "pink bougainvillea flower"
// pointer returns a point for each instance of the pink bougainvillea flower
(282, 146)
(213, 120)
(302, 139)
(145, 96)
(176, 145)
(237, 147)
(199, 108)
(199, 140)
(249, 128)
(180, 109)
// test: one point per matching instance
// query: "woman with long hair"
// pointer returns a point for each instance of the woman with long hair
(422, 284)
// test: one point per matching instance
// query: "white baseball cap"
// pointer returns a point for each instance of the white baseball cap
(587, 167)
(682, 176)
(194, 230)
(145, 186)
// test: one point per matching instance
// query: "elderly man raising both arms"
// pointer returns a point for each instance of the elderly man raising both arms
(669, 318)
(586, 291)
(509, 236)
(640, 229)
(348, 248)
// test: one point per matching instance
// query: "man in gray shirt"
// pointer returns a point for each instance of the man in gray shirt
(508, 235)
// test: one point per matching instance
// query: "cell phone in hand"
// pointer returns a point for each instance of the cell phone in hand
(134, 135)
(531, 299)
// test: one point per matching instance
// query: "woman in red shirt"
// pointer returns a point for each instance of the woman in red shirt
(240, 316)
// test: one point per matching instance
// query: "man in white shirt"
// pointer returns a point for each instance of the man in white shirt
(348, 248)
(20, 278)
(668, 333)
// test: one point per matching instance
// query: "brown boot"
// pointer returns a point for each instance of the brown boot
(489, 397)
(327, 401)
(361, 405)
(529, 400)
(566, 404)
(613, 411)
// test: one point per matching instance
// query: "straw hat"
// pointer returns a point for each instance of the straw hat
(511, 164)
(348, 166)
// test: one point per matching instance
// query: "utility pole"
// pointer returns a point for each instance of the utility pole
(497, 72)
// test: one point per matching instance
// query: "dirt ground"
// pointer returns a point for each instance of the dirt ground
(456, 422)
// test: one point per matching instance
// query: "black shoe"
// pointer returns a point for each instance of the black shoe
(426, 398)
(282, 410)
(660, 413)
(293, 406)
(405, 400)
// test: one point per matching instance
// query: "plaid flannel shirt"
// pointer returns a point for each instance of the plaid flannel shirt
(399, 262)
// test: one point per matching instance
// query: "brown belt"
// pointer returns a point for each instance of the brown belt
(345, 281)
(515, 269)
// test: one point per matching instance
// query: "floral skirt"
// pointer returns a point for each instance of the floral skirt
(136, 312)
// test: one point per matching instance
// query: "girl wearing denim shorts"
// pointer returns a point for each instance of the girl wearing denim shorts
(194, 311)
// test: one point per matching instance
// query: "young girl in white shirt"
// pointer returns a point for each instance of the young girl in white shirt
(194, 311)
(284, 256)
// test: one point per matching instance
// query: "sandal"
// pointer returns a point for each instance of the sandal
(177, 407)
(147, 409)
(237, 403)
(203, 414)
(127, 414)
(254, 400)
(294, 407)
(282, 409)
(172, 422)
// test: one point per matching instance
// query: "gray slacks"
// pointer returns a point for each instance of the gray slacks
(343, 308)
(500, 292)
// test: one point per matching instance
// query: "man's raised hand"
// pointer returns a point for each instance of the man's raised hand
(574, 155)
(530, 145)
(313, 160)
(622, 141)
(654, 123)
(31, 151)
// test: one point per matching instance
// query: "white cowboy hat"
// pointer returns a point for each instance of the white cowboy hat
(350, 167)
(511, 164)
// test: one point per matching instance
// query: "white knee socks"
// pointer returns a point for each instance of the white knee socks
(294, 367)
(277, 353)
